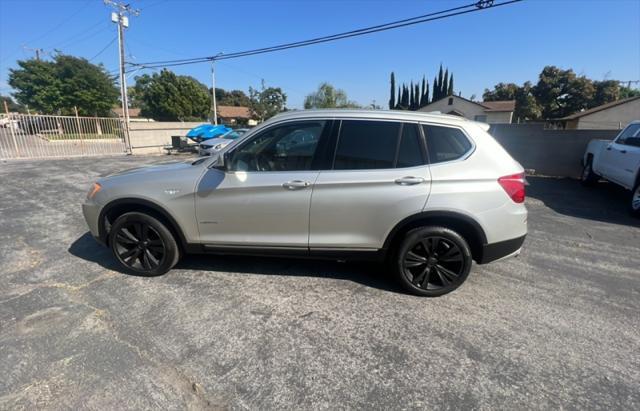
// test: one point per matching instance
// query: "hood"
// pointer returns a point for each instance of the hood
(173, 166)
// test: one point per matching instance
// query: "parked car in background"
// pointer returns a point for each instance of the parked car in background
(427, 194)
(617, 161)
(214, 145)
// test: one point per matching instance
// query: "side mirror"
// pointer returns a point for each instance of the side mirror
(222, 162)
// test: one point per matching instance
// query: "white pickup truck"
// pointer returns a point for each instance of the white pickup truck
(617, 161)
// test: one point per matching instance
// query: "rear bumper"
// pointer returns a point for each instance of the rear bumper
(496, 251)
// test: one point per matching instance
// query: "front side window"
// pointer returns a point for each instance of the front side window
(445, 143)
(288, 147)
(630, 135)
(366, 145)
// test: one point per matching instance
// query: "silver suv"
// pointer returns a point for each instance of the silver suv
(425, 193)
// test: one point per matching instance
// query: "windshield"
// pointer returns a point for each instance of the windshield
(232, 135)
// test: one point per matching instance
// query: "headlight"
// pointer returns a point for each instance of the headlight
(95, 188)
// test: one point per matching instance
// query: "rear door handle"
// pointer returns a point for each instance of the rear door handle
(409, 181)
(623, 151)
(296, 184)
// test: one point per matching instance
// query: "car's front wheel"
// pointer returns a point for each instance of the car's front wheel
(588, 177)
(143, 244)
(432, 261)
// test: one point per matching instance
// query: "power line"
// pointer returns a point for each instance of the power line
(54, 28)
(469, 8)
(105, 47)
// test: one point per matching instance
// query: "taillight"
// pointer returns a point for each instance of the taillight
(514, 186)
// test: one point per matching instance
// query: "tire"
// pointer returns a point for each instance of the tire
(143, 245)
(634, 203)
(432, 261)
(588, 177)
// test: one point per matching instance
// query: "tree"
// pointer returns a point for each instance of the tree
(501, 91)
(445, 85)
(561, 93)
(416, 93)
(266, 102)
(236, 98)
(392, 99)
(60, 85)
(11, 105)
(450, 91)
(526, 106)
(424, 93)
(166, 96)
(440, 83)
(412, 97)
(327, 96)
(434, 90)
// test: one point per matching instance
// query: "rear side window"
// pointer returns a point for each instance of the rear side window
(445, 143)
(366, 145)
(410, 153)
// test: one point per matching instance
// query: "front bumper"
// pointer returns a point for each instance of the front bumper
(91, 212)
(502, 249)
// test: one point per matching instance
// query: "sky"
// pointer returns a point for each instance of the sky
(600, 39)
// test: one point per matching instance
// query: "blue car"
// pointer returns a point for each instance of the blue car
(207, 131)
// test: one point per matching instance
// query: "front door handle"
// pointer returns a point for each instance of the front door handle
(296, 184)
(623, 151)
(409, 181)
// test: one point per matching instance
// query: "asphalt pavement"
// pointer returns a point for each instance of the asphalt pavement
(557, 327)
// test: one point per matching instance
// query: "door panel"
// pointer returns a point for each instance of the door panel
(255, 208)
(357, 209)
(263, 197)
(620, 162)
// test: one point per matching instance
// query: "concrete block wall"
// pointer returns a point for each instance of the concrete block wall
(548, 152)
(149, 138)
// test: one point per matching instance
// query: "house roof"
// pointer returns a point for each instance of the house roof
(600, 108)
(494, 106)
(506, 105)
(233, 112)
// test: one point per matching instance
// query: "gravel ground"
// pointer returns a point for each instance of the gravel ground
(558, 327)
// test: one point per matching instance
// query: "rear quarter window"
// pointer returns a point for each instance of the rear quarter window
(445, 143)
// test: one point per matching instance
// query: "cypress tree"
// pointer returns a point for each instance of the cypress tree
(411, 96)
(405, 100)
(440, 80)
(426, 95)
(445, 84)
(434, 91)
(417, 97)
(422, 91)
(392, 98)
(399, 100)
(451, 85)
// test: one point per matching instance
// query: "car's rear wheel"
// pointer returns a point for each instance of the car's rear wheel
(432, 261)
(635, 200)
(588, 177)
(143, 244)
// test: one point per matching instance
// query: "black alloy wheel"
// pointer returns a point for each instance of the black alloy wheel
(139, 246)
(433, 261)
(142, 244)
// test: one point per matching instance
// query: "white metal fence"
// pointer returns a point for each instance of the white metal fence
(41, 136)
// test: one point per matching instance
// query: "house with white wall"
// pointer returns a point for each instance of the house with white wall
(610, 116)
(492, 112)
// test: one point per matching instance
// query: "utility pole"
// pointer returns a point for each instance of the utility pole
(214, 107)
(36, 50)
(213, 92)
(121, 17)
